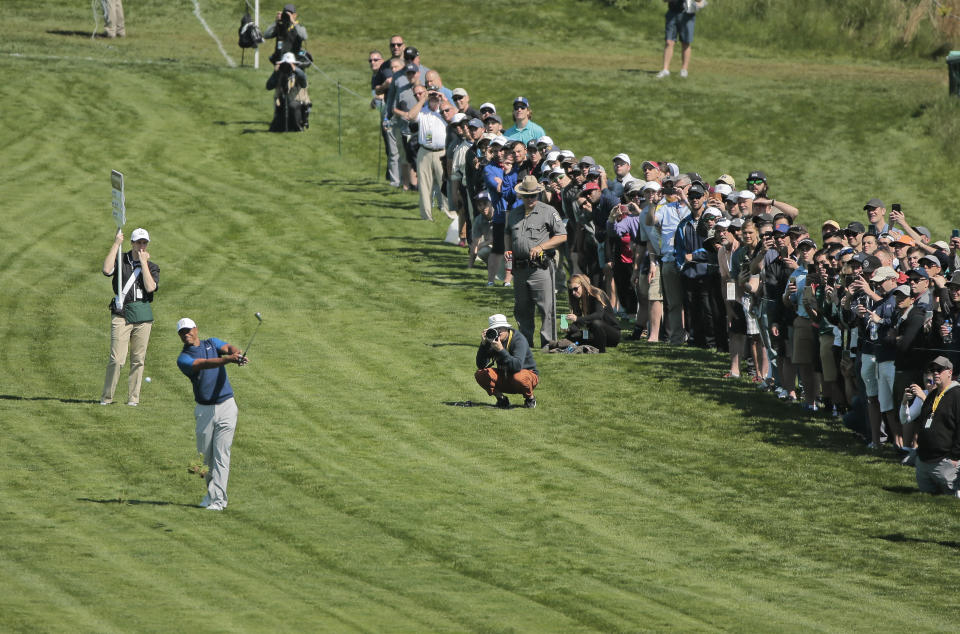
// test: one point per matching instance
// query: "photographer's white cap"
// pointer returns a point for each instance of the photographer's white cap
(139, 234)
(186, 322)
(498, 321)
(289, 58)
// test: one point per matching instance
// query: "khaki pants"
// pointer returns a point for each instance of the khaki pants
(429, 180)
(113, 16)
(520, 382)
(136, 336)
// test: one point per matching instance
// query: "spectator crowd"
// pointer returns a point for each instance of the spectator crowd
(844, 319)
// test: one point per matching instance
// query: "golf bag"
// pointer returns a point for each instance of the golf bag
(248, 35)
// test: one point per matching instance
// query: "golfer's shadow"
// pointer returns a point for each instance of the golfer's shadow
(15, 397)
(139, 502)
(475, 404)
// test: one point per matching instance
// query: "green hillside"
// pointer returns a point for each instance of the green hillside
(644, 493)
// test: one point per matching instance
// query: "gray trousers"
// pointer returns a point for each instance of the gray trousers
(936, 477)
(393, 157)
(533, 290)
(216, 425)
(672, 285)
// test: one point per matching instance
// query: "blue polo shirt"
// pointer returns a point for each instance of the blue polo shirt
(529, 132)
(210, 386)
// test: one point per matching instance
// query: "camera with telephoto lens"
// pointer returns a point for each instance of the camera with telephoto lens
(492, 334)
(285, 17)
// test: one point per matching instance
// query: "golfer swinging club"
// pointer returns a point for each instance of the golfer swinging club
(203, 362)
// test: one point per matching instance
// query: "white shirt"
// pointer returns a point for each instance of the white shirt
(432, 134)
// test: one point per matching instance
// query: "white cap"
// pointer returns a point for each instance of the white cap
(552, 156)
(558, 172)
(457, 118)
(710, 211)
(673, 170)
(723, 222)
(623, 157)
(545, 140)
(487, 104)
(651, 186)
(567, 154)
(500, 140)
(139, 234)
(289, 58)
(498, 321)
(723, 189)
(186, 322)
(746, 194)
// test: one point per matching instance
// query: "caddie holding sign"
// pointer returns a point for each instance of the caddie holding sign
(135, 280)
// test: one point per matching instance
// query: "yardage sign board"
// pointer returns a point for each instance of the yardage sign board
(119, 204)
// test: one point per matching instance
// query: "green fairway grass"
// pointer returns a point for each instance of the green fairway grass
(374, 488)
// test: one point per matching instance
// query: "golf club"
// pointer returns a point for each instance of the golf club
(243, 354)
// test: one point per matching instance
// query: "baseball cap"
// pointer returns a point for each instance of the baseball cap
(905, 240)
(940, 244)
(873, 203)
(475, 123)
(410, 68)
(931, 260)
(673, 170)
(746, 195)
(653, 186)
(903, 289)
(458, 118)
(410, 53)
(633, 186)
(711, 211)
(922, 231)
(482, 195)
(955, 280)
(736, 223)
(587, 160)
(459, 92)
(855, 227)
(545, 140)
(940, 363)
(831, 223)
(590, 185)
(185, 322)
(567, 156)
(919, 272)
(290, 8)
(552, 156)
(489, 105)
(723, 189)
(807, 243)
(139, 234)
(757, 175)
(726, 179)
(495, 117)
(650, 165)
(622, 157)
(556, 171)
(522, 100)
(499, 140)
(883, 273)
(594, 170)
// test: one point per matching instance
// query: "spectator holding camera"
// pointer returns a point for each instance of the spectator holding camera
(291, 112)
(432, 139)
(515, 371)
(289, 33)
(938, 433)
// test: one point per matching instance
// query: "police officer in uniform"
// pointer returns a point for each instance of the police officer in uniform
(534, 229)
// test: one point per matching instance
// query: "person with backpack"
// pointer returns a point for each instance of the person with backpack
(291, 102)
(290, 36)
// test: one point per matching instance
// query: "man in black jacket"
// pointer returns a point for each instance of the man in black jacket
(515, 372)
(938, 439)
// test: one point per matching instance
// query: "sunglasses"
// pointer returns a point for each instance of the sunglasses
(519, 106)
(486, 110)
(396, 45)
(376, 59)
(457, 97)
(755, 182)
(446, 110)
(635, 194)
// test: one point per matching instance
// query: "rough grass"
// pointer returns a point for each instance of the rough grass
(643, 494)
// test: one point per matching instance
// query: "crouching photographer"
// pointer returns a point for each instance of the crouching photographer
(515, 371)
(291, 112)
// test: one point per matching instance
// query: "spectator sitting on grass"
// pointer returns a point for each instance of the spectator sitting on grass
(591, 318)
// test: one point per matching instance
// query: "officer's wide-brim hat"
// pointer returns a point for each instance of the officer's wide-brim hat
(528, 186)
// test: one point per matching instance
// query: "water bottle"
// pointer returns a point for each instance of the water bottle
(563, 322)
(948, 338)
(872, 330)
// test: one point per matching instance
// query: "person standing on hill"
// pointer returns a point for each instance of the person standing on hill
(204, 361)
(290, 34)
(680, 17)
(523, 129)
(132, 320)
(938, 439)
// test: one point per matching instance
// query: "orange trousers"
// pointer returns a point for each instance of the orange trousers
(522, 382)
